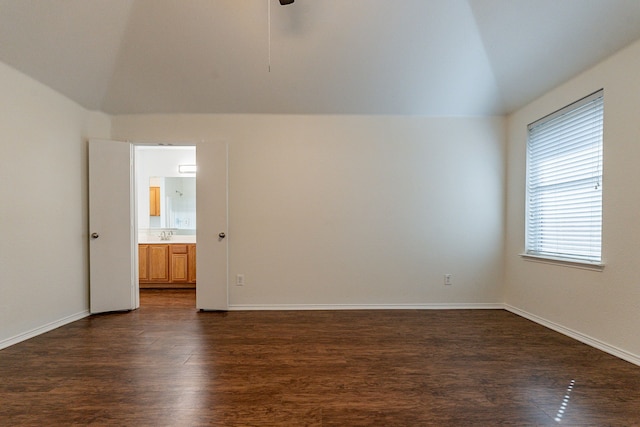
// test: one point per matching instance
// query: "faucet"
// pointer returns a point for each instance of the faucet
(165, 235)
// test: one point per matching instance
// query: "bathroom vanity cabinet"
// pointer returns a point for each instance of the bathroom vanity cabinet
(171, 265)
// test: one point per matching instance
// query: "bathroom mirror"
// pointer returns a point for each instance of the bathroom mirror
(172, 202)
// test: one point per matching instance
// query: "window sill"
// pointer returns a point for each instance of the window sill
(584, 265)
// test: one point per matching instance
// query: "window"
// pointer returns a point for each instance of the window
(564, 183)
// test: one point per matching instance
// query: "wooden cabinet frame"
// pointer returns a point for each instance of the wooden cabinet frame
(167, 265)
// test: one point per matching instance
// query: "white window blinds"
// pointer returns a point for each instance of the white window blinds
(564, 182)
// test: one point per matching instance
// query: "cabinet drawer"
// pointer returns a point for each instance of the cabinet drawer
(178, 249)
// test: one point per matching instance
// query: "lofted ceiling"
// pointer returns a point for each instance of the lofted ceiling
(409, 57)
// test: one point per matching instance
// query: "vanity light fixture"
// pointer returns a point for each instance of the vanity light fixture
(187, 168)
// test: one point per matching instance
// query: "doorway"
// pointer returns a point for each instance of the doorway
(165, 177)
(113, 226)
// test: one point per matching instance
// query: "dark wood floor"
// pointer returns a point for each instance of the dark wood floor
(168, 365)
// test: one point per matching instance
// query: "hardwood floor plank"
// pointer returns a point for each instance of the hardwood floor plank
(167, 364)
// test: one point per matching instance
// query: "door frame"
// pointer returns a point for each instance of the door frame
(212, 253)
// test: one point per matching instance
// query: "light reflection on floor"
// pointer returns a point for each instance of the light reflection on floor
(565, 402)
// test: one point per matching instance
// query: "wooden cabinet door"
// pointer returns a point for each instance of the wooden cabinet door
(159, 263)
(143, 263)
(179, 263)
(191, 263)
(154, 201)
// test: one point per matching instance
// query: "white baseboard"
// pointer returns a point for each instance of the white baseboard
(42, 329)
(593, 342)
(438, 306)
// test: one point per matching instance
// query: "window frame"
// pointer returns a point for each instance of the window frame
(563, 258)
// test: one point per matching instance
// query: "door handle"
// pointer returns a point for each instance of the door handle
(94, 235)
(222, 236)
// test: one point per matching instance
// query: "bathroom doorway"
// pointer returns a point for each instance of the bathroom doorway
(165, 177)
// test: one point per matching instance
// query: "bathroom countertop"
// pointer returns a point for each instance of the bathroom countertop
(176, 238)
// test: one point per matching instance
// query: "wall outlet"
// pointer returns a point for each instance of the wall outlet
(447, 279)
(240, 280)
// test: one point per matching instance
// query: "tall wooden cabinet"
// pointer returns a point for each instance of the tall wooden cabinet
(167, 265)
(154, 201)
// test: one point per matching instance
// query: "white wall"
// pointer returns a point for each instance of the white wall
(355, 209)
(43, 208)
(602, 306)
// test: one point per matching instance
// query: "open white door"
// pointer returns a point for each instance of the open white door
(211, 231)
(112, 255)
